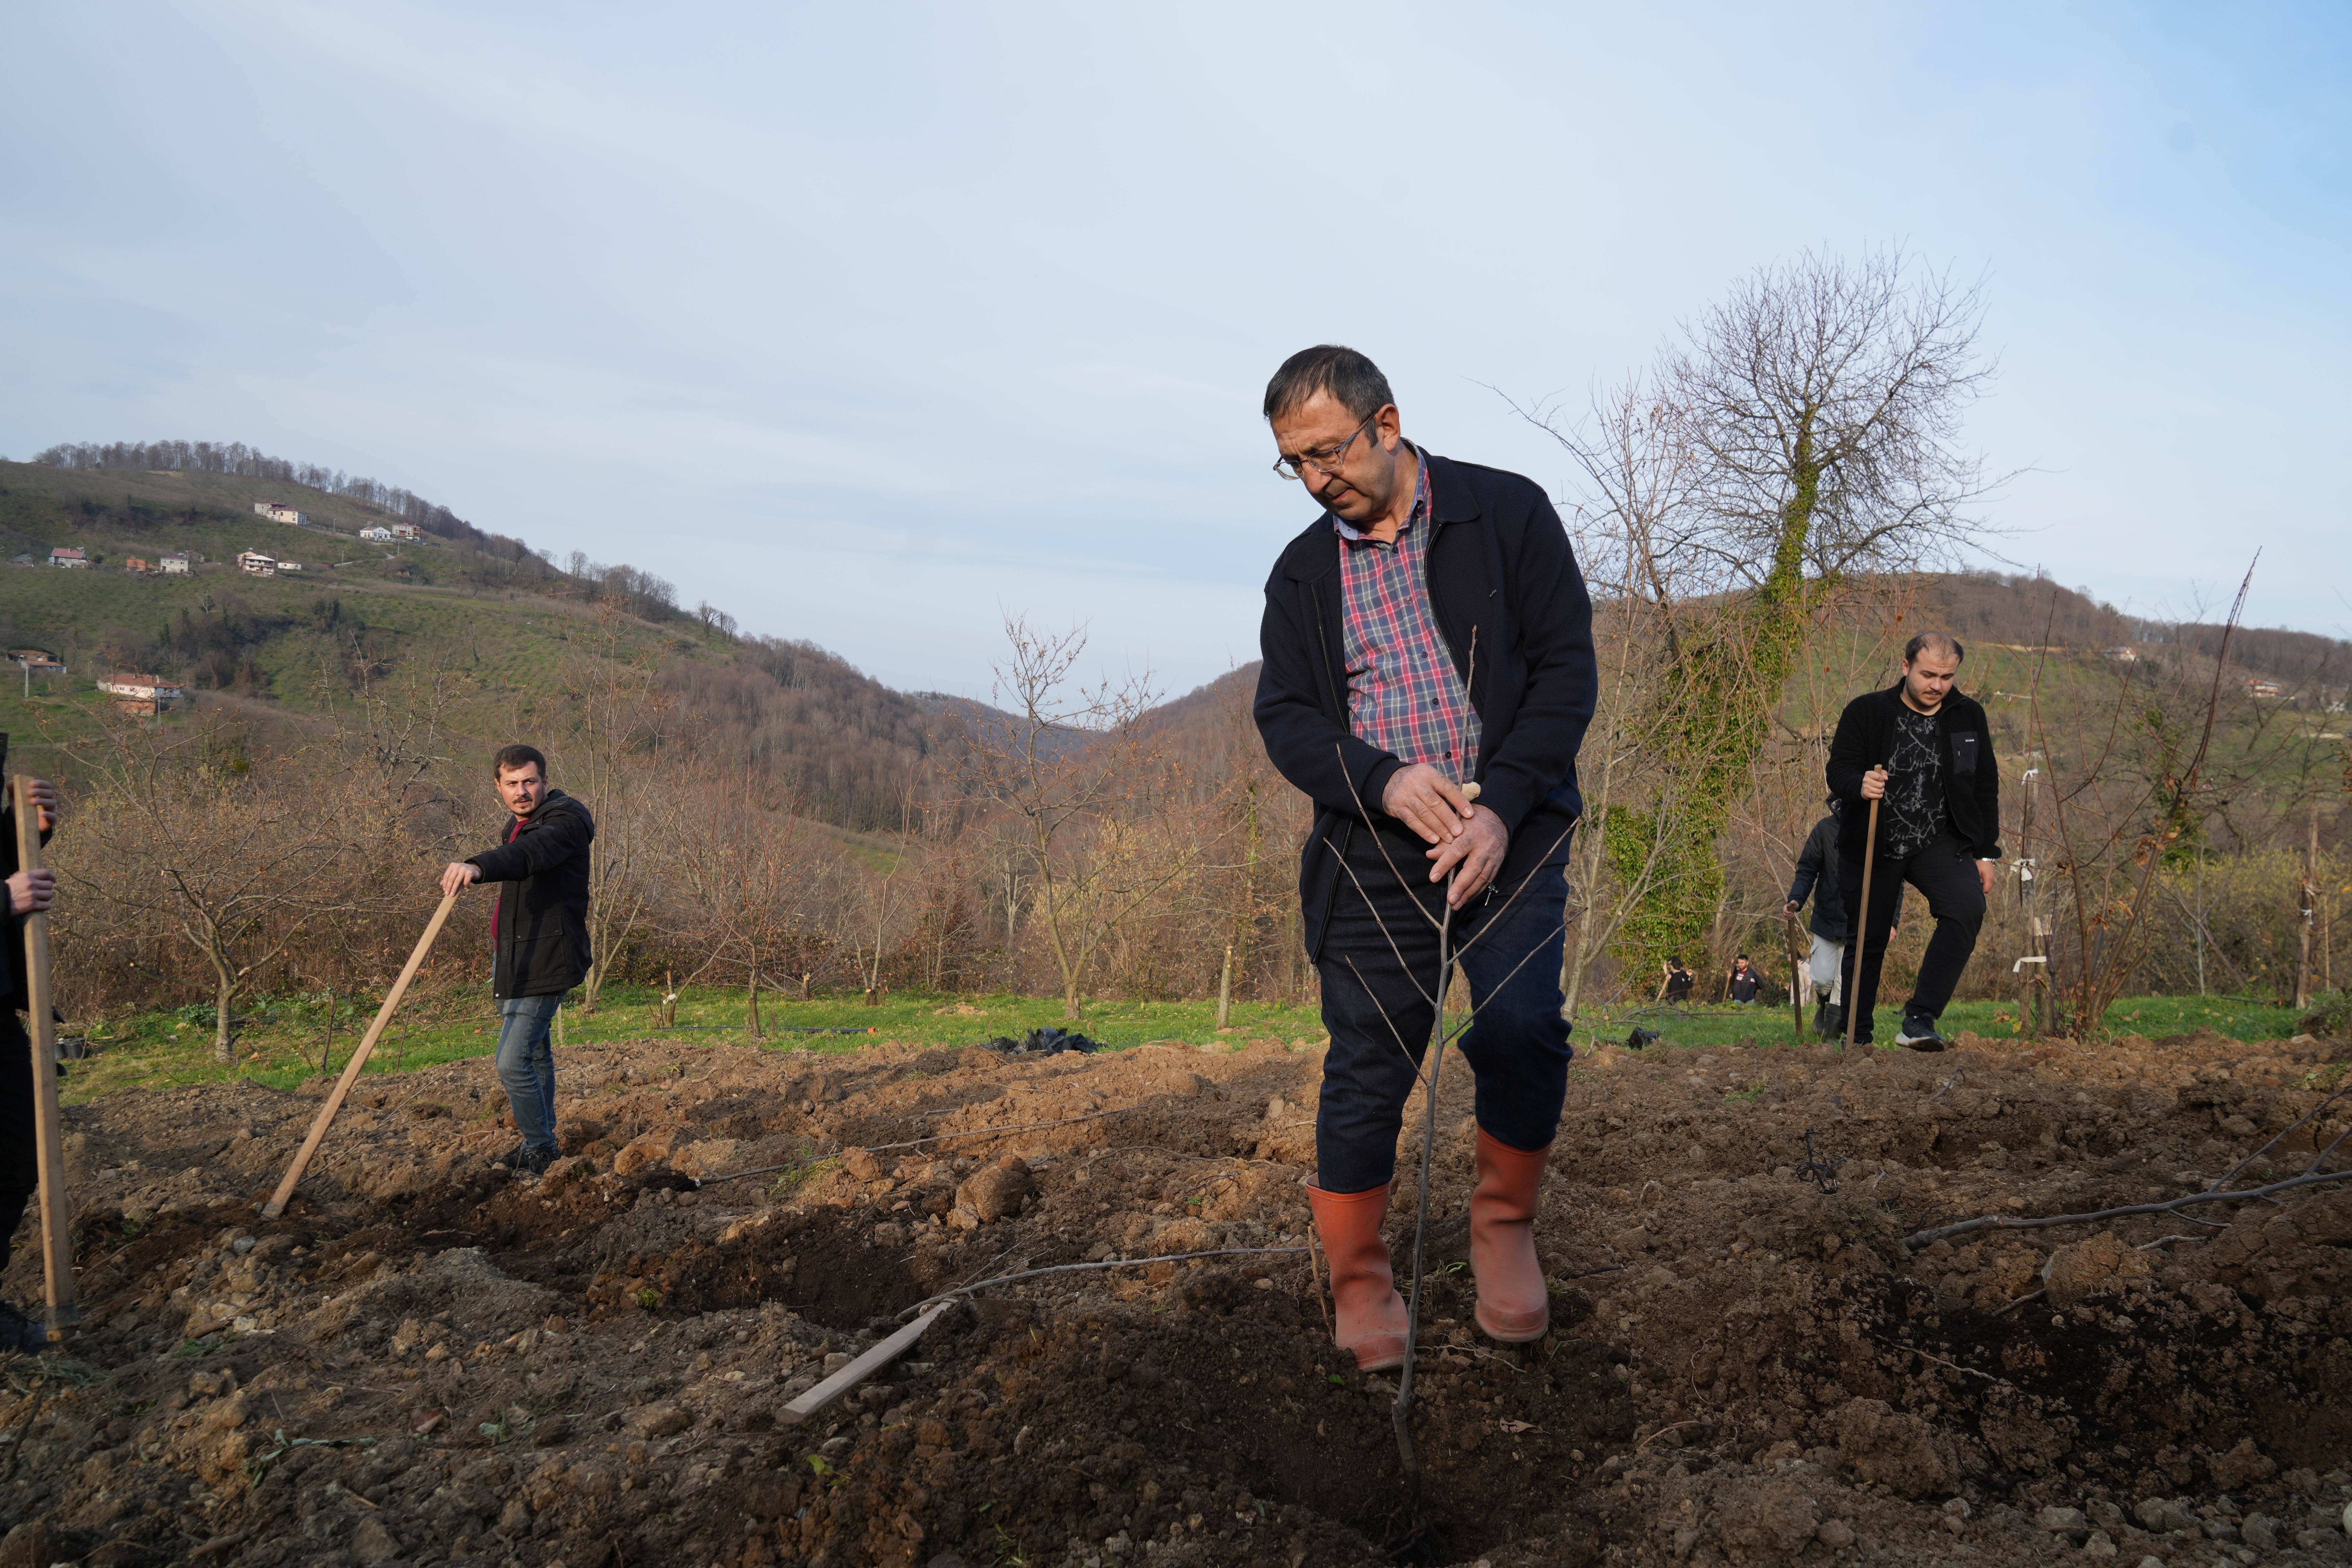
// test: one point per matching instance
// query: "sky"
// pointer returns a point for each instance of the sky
(874, 325)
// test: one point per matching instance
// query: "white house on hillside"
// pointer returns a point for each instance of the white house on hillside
(279, 512)
(177, 564)
(254, 563)
(68, 555)
(378, 533)
(147, 693)
(406, 531)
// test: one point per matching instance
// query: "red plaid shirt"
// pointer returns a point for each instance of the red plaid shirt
(1404, 694)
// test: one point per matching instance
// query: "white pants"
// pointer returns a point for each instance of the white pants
(1828, 968)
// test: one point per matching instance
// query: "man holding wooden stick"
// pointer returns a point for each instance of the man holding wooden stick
(28, 891)
(1429, 674)
(539, 936)
(1924, 752)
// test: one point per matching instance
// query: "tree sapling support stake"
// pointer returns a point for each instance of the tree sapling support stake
(1860, 934)
(61, 1310)
(326, 1117)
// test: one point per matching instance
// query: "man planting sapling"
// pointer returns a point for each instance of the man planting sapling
(1429, 674)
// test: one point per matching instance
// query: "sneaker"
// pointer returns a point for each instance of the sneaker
(19, 1333)
(1918, 1033)
(530, 1161)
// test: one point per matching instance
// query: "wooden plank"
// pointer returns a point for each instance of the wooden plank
(326, 1117)
(864, 1367)
(62, 1309)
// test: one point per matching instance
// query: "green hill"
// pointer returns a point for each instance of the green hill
(503, 628)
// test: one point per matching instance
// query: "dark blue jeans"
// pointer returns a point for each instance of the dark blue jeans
(1379, 1011)
(527, 1066)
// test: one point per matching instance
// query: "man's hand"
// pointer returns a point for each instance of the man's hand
(458, 875)
(1425, 800)
(30, 891)
(45, 803)
(1792, 909)
(1873, 784)
(1474, 857)
(1987, 873)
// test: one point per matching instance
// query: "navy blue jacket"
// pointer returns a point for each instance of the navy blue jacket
(1500, 573)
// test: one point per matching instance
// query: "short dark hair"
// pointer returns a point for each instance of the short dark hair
(1941, 642)
(1741, 959)
(517, 756)
(1354, 382)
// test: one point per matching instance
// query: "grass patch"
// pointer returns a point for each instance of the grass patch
(1726, 1025)
(281, 1039)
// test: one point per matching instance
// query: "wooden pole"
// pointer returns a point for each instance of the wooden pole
(1859, 933)
(326, 1117)
(1797, 977)
(2310, 913)
(62, 1310)
(1225, 991)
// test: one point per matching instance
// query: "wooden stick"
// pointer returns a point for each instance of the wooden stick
(62, 1310)
(319, 1123)
(859, 1370)
(1797, 971)
(1860, 931)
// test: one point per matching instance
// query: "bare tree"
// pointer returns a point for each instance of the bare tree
(1069, 762)
(1807, 427)
(234, 859)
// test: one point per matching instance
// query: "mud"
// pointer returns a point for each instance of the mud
(428, 1360)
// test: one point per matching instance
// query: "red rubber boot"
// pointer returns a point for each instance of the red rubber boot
(1514, 1304)
(1370, 1319)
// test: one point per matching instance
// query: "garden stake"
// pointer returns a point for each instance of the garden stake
(1797, 970)
(1860, 931)
(61, 1311)
(325, 1118)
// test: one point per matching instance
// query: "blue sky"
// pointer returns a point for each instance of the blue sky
(869, 323)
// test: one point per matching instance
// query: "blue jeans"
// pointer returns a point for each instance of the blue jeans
(1380, 1017)
(527, 1066)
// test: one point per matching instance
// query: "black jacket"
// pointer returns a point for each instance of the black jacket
(1817, 874)
(539, 940)
(19, 986)
(1864, 739)
(1500, 570)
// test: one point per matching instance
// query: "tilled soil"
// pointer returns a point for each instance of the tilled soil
(428, 1360)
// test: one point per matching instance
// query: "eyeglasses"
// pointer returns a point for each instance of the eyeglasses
(1325, 460)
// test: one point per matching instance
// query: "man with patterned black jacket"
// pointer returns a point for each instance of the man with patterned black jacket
(539, 936)
(1924, 752)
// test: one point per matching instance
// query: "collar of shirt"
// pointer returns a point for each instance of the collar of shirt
(1419, 513)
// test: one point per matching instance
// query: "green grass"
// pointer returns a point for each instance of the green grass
(279, 1038)
(2153, 1017)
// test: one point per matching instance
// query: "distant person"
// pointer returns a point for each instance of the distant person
(539, 936)
(20, 1173)
(1676, 989)
(1817, 878)
(1924, 752)
(1742, 982)
(1428, 676)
